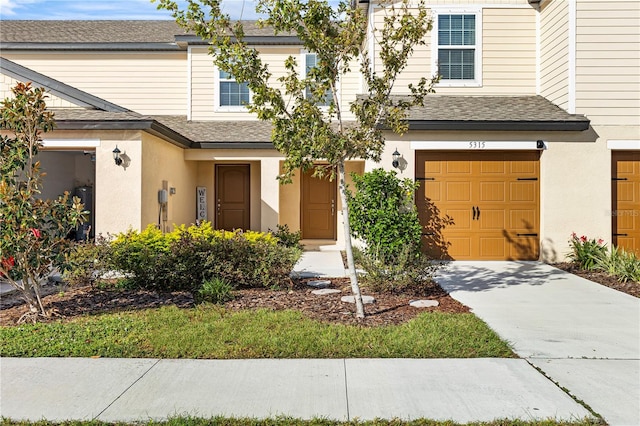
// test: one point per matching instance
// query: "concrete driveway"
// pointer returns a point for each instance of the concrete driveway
(583, 336)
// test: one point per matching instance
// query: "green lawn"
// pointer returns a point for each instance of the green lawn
(210, 331)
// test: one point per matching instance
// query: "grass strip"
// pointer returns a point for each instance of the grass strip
(213, 332)
(287, 421)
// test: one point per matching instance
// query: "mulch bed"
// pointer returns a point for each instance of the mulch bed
(631, 288)
(388, 309)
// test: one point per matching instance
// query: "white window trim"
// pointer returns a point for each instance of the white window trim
(230, 108)
(477, 11)
(303, 74)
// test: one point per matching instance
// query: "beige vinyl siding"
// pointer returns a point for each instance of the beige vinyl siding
(146, 82)
(508, 54)
(203, 83)
(608, 61)
(6, 83)
(554, 52)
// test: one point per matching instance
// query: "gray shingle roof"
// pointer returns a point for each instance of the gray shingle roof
(207, 132)
(15, 32)
(493, 113)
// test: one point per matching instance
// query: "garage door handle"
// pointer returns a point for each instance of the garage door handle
(527, 179)
(475, 213)
(620, 235)
(618, 178)
(527, 235)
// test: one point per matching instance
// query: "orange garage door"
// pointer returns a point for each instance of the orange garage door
(479, 205)
(626, 199)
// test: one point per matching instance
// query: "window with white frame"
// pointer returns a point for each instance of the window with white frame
(310, 61)
(232, 93)
(458, 48)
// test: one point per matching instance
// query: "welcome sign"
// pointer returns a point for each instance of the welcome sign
(201, 203)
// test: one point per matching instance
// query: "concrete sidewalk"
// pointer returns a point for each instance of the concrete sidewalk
(462, 390)
(316, 264)
(584, 336)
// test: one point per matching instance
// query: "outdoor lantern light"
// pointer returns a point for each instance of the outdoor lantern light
(396, 156)
(116, 156)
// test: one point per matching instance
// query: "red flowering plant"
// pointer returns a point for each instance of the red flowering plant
(585, 252)
(32, 231)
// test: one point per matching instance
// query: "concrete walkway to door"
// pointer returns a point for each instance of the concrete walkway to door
(584, 336)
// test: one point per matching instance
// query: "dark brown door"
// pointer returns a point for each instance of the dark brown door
(625, 175)
(232, 197)
(479, 205)
(318, 207)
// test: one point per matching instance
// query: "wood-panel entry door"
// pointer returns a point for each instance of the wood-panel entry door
(232, 197)
(479, 205)
(625, 169)
(318, 210)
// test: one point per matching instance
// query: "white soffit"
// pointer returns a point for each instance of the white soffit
(71, 143)
(623, 144)
(478, 145)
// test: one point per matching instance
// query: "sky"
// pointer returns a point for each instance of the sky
(104, 9)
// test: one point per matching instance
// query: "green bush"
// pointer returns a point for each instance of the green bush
(382, 214)
(188, 256)
(617, 262)
(585, 252)
(286, 237)
(88, 262)
(408, 272)
(215, 290)
(591, 254)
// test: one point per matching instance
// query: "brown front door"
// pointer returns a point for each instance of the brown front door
(232, 197)
(318, 207)
(625, 169)
(479, 205)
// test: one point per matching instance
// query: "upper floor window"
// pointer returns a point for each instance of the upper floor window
(232, 93)
(310, 61)
(458, 48)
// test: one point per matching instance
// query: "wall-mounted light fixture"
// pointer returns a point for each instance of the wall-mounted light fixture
(396, 159)
(116, 156)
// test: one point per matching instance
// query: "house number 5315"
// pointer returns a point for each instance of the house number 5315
(477, 144)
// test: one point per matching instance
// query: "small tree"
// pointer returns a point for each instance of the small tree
(304, 131)
(32, 231)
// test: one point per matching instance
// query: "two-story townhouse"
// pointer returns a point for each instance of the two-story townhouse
(534, 130)
(536, 113)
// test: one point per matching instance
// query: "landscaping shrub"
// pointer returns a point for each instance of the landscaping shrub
(382, 214)
(286, 237)
(384, 217)
(88, 262)
(215, 290)
(585, 252)
(188, 256)
(591, 254)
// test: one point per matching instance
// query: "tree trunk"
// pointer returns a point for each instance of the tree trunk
(355, 288)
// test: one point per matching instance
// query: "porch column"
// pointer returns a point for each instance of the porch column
(269, 193)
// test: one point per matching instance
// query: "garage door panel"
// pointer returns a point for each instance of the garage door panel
(493, 167)
(492, 191)
(460, 247)
(627, 191)
(458, 167)
(458, 191)
(433, 190)
(492, 248)
(460, 219)
(523, 247)
(523, 191)
(492, 219)
(523, 220)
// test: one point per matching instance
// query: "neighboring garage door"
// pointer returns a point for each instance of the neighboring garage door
(626, 199)
(479, 205)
